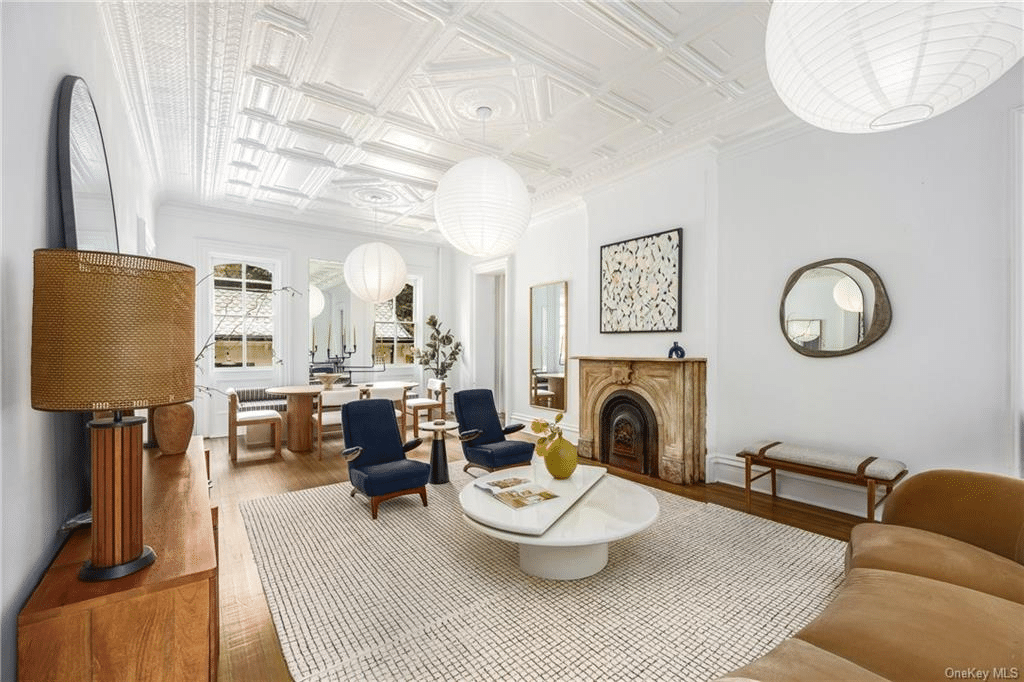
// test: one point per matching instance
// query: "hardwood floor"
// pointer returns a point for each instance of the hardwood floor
(249, 648)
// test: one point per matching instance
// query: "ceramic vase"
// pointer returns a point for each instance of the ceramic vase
(172, 426)
(560, 458)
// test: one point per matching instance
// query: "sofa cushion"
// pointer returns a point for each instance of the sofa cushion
(905, 627)
(795, 660)
(927, 554)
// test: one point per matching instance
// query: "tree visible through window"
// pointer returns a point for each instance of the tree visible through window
(394, 332)
(243, 315)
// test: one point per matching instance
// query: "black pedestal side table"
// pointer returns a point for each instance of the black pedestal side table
(438, 452)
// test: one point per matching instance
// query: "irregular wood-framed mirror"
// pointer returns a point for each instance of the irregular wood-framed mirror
(834, 307)
(548, 344)
(86, 197)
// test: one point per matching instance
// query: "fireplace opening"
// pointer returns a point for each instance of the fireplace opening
(629, 433)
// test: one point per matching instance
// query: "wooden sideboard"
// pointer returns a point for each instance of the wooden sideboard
(158, 624)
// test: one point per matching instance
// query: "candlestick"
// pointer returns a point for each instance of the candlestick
(312, 343)
(328, 335)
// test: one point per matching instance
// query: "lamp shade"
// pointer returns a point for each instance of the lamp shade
(482, 207)
(316, 300)
(375, 272)
(860, 67)
(111, 331)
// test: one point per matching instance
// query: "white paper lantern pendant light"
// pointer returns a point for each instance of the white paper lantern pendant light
(375, 272)
(316, 301)
(481, 205)
(861, 67)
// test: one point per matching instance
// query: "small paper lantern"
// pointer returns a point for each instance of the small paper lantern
(848, 295)
(861, 67)
(482, 207)
(375, 272)
(316, 300)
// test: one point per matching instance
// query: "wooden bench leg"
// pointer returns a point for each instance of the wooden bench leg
(773, 483)
(746, 483)
(871, 500)
(275, 432)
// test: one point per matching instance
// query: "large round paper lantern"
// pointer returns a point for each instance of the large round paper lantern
(316, 300)
(861, 67)
(482, 207)
(375, 272)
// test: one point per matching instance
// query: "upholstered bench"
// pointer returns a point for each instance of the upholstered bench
(252, 399)
(837, 466)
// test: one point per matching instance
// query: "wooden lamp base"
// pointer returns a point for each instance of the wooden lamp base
(117, 548)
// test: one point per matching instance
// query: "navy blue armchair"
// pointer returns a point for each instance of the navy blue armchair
(483, 436)
(377, 465)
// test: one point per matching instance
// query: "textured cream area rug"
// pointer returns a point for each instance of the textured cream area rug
(418, 595)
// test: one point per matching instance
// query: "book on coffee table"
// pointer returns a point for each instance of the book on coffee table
(516, 492)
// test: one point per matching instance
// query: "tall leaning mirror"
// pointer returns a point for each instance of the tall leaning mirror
(329, 321)
(548, 344)
(87, 202)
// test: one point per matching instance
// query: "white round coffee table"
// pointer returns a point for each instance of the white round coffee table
(576, 545)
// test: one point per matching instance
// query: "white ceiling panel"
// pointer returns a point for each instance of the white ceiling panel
(324, 110)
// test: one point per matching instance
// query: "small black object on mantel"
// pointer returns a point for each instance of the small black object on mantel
(676, 351)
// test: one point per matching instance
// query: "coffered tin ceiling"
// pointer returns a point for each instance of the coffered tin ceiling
(334, 112)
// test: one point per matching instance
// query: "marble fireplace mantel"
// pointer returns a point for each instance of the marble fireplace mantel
(675, 391)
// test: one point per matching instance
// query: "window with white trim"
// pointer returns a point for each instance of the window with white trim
(394, 328)
(243, 315)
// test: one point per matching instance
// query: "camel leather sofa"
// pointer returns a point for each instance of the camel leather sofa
(934, 592)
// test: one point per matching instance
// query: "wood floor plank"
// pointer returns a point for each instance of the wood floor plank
(249, 647)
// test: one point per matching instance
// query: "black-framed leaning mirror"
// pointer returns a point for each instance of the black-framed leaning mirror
(548, 338)
(86, 197)
(834, 307)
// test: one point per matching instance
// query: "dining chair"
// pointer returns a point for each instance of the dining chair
(397, 397)
(238, 418)
(434, 400)
(327, 417)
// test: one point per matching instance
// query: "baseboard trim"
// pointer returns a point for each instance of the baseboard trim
(571, 432)
(820, 492)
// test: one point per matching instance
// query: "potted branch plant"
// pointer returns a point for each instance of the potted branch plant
(441, 351)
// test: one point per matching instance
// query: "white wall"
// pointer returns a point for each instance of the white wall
(566, 245)
(188, 233)
(929, 208)
(45, 455)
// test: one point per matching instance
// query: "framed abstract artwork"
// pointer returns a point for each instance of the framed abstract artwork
(641, 284)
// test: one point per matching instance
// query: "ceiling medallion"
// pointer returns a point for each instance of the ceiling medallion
(481, 205)
(861, 67)
(374, 196)
(467, 102)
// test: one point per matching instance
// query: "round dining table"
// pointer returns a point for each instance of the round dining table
(300, 408)
(300, 413)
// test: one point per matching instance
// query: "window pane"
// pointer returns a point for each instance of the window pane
(384, 311)
(259, 304)
(253, 272)
(233, 270)
(227, 352)
(259, 352)
(403, 304)
(229, 326)
(227, 302)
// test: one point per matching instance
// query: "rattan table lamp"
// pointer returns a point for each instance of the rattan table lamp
(112, 332)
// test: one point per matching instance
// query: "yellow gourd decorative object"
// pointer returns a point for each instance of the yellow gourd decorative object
(559, 454)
